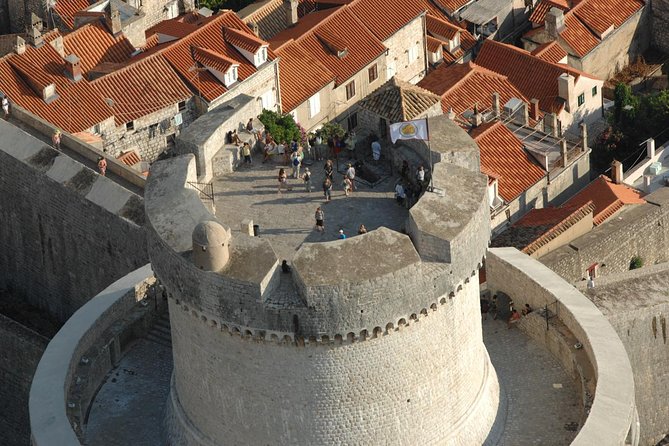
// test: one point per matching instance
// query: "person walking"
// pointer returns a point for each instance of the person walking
(5, 107)
(342, 236)
(350, 174)
(102, 166)
(327, 189)
(307, 179)
(329, 170)
(55, 139)
(347, 186)
(320, 219)
(296, 162)
(283, 180)
(246, 153)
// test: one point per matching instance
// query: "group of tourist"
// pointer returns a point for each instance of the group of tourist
(320, 224)
(492, 307)
(409, 188)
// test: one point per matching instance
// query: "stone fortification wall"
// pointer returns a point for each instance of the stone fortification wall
(613, 418)
(639, 230)
(21, 350)
(67, 232)
(635, 304)
(423, 383)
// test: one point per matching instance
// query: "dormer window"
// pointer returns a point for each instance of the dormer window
(230, 76)
(260, 57)
(454, 43)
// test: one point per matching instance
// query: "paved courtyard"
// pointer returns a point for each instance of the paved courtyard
(287, 220)
(130, 406)
(542, 402)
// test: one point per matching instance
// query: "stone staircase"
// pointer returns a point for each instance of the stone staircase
(160, 332)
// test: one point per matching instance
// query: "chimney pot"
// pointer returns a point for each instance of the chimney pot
(554, 22)
(566, 89)
(73, 68)
(20, 45)
(534, 109)
(495, 104)
(291, 12)
(617, 172)
(650, 147)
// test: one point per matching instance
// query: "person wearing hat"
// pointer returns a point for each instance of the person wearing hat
(342, 236)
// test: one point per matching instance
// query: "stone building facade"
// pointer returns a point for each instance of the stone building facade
(660, 25)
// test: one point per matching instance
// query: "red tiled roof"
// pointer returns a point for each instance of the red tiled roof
(503, 155)
(607, 196)
(533, 76)
(540, 226)
(384, 25)
(463, 85)
(210, 37)
(271, 17)
(451, 5)
(577, 35)
(142, 88)
(243, 40)
(550, 52)
(213, 60)
(302, 75)
(322, 32)
(78, 106)
(538, 16)
(433, 45)
(66, 9)
(175, 28)
(441, 28)
(600, 15)
(129, 158)
(93, 44)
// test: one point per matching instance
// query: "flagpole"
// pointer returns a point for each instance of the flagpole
(430, 186)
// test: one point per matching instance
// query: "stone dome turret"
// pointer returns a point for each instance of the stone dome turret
(210, 246)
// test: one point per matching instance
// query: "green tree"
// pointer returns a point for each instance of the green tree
(281, 127)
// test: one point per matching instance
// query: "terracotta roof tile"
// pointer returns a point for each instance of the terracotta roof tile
(540, 226)
(129, 158)
(243, 40)
(578, 36)
(550, 52)
(385, 25)
(271, 17)
(323, 33)
(438, 28)
(78, 106)
(600, 15)
(399, 101)
(463, 85)
(433, 45)
(538, 16)
(142, 88)
(607, 196)
(210, 37)
(533, 76)
(296, 86)
(503, 155)
(174, 28)
(66, 9)
(93, 44)
(211, 59)
(451, 5)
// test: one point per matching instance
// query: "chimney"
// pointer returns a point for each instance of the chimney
(521, 116)
(477, 119)
(617, 172)
(49, 93)
(34, 35)
(554, 22)
(566, 89)
(73, 68)
(550, 124)
(57, 43)
(19, 45)
(291, 12)
(647, 181)
(563, 151)
(254, 28)
(650, 147)
(451, 114)
(534, 109)
(113, 18)
(584, 136)
(495, 104)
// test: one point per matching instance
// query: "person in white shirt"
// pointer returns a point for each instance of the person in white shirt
(350, 174)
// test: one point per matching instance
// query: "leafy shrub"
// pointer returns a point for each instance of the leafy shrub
(636, 262)
(281, 127)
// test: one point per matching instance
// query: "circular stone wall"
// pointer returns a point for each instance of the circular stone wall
(428, 382)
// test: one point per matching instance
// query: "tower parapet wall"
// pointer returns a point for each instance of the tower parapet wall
(449, 235)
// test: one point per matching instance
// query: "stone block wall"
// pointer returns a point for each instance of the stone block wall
(638, 230)
(411, 34)
(265, 79)
(20, 352)
(67, 232)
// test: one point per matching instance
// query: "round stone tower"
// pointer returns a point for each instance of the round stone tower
(386, 351)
